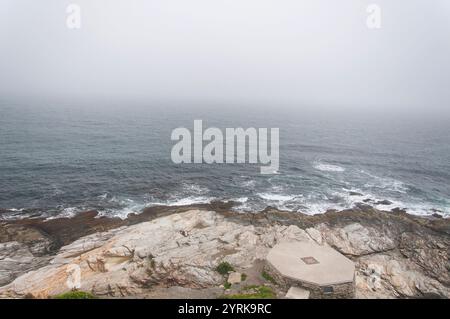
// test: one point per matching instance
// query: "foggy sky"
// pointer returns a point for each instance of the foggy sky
(279, 51)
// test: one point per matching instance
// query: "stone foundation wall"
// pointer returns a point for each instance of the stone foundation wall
(340, 291)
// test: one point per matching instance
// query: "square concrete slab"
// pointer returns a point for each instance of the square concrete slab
(297, 293)
(311, 263)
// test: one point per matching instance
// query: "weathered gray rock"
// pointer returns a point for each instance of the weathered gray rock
(390, 275)
(356, 240)
(177, 250)
(396, 255)
(17, 259)
(37, 243)
(428, 252)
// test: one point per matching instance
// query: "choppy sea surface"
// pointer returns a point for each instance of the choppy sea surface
(57, 159)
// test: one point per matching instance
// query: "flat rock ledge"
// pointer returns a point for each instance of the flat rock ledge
(176, 255)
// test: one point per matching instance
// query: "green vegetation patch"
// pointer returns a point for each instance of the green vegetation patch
(253, 292)
(224, 268)
(268, 277)
(75, 295)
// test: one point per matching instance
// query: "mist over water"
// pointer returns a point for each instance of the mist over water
(86, 114)
(57, 160)
(272, 51)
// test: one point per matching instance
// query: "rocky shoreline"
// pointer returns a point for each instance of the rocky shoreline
(170, 252)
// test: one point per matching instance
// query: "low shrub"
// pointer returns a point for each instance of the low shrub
(224, 268)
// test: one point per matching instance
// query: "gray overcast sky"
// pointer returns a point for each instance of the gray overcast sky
(295, 51)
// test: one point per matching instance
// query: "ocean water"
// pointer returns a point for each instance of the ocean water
(57, 159)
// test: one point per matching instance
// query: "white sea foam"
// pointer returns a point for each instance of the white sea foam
(123, 213)
(318, 208)
(277, 189)
(411, 207)
(240, 199)
(324, 167)
(12, 213)
(126, 206)
(67, 212)
(103, 196)
(194, 189)
(131, 206)
(312, 205)
(191, 200)
(385, 183)
(249, 184)
(276, 197)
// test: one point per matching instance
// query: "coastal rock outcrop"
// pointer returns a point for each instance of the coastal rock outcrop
(390, 276)
(357, 240)
(395, 255)
(21, 250)
(176, 250)
(16, 259)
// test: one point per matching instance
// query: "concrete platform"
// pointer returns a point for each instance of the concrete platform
(311, 263)
(297, 293)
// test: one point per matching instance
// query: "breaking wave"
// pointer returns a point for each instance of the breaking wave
(324, 167)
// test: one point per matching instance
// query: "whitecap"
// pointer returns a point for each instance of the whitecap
(182, 201)
(194, 189)
(319, 208)
(249, 184)
(190, 200)
(385, 183)
(240, 199)
(324, 167)
(129, 206)
(103, 196)
(245, 208)
(68, 212)
(276, 197)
